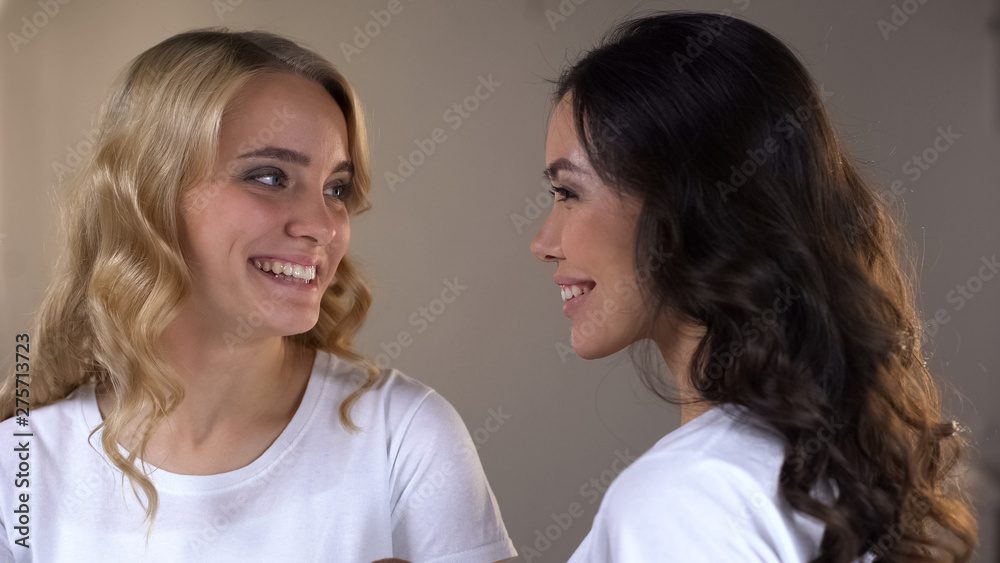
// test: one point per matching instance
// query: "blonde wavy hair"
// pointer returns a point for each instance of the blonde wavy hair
(121, 276)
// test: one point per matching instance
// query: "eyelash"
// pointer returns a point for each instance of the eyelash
(563, 193)
(346, 193)
(347, 190)
(256, 175)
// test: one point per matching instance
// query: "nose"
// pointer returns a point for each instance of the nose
(314, 217)
(546, 245)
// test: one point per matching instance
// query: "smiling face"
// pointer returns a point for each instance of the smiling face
(264, 235)
(590, 236)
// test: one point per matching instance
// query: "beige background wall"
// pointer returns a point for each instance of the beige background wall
(494, 351)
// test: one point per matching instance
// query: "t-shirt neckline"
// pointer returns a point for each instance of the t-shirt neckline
(167, 481)
(711, 417)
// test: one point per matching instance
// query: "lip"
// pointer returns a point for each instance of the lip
(575, 303)
(300, 259)
(568, 280)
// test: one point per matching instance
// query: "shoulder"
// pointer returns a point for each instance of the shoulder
(397, 399)
(56, 436)
(64, 413)
(344, 376)
(706, 484)
(708, 490)
(719, 460)
(724, 448)
(696, 510)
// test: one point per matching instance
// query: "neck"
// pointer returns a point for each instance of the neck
(677, 345)
(256, 379)
(237, 397)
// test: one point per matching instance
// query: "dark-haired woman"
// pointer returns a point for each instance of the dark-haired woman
(704, 202)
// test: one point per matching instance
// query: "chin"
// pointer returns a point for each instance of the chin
(293, 326)
(294, 331)
(596, 346)
(302, 327)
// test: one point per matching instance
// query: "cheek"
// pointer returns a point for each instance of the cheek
(580, 237)
(597, 247)
(619, 240)
(621, 230)
(343, 238)
(217, 218)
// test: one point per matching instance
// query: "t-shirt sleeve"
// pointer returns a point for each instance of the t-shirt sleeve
(443, 508)
(701, 512)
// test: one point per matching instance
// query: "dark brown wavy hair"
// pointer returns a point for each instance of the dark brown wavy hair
(718, 128)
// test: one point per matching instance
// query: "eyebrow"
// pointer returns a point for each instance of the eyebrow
(287, 155)
(561, 165)
(295, 157)
(345, 165)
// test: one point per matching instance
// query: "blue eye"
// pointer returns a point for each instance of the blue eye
(342, 192)
(268, 176)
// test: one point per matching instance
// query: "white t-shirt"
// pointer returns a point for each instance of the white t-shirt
(706, 492)
(410, 485)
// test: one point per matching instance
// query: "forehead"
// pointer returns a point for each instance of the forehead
(562, 141)
(281, 108)
(564, 154)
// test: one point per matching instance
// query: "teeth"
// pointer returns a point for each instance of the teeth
(287, 268)
(571, 291)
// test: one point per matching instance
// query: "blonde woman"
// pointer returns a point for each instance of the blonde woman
(193, 392)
